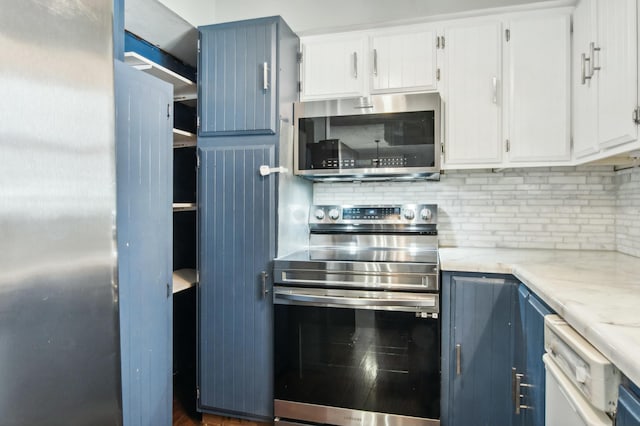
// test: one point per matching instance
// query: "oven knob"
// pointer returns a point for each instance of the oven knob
(425, 214)
(334, 214)
(319, 214)
(409, 214)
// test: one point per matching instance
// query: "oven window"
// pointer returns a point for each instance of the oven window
(380, 361)
(367, 141)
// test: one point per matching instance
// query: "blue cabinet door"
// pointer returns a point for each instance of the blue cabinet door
(144, 164)
(532, 313)
(628, 408)
(477, 350)
(237, 245)
(237, 78)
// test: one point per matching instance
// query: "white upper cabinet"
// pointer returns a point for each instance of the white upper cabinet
(537, 89)
(472, 95)
(346, 65)
(605, 78)
(403, 60)
(333, 66)
(585, 122)
(614, 61)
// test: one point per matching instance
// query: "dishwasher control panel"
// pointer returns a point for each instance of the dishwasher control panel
(587, 369)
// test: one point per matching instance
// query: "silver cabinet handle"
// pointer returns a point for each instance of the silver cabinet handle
(458, 359)
(584, 76)
(593, 49)
(355, 64)
(375, 62)
(494, 82)
(516, 386)
(265, 76)
(265, 289)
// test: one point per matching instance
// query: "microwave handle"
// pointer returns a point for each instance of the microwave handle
(355, 65)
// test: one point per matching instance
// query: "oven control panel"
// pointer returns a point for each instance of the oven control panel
(387, 214)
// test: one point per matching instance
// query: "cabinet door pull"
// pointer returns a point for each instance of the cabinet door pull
(584, 77)
(265, 289)
(355, 65)
(375, 62)
(494, 82)
(458, 359)
(593, 50)
(265, 76)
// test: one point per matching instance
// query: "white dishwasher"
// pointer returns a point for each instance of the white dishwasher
(581, 384)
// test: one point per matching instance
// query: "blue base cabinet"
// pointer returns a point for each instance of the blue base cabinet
(529, 350)
(628, 407)
(144, 161)
(477, 349)
(236, 311)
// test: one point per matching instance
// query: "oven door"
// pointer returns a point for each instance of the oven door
(349, 357)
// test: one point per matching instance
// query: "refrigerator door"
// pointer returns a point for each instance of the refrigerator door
(59, 342)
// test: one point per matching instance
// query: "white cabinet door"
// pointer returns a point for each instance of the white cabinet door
(333, 66)
(537, 92)
(403, 61)
(618, 75)
(585, 118)
(473, 96)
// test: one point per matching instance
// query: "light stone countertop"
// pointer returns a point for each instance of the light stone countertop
(596, 292)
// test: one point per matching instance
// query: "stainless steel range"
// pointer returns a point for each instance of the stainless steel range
(357, 333)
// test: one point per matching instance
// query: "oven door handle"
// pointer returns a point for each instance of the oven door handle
(301, 297)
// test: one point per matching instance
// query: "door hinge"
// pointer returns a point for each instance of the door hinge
(198, 122)
(507, 34)
(198, 45)
(168, 111)
(299, 87)
(299, 57)
(168, 290)
(198, 160)
(198, 393)
(442, 148)
(441, 42)
(438, 74)
(507, 145)
(636, 115)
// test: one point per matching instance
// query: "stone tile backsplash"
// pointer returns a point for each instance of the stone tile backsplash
(560, 208)
(628, 211)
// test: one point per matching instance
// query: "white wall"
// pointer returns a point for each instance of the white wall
(196, 12)
(313, 15)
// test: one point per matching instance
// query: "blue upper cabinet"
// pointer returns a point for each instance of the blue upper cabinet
(239, 75)
(477, 350)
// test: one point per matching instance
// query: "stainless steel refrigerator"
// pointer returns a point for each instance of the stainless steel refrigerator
(59, 350)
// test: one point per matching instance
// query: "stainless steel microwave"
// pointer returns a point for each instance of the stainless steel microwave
(374, 138)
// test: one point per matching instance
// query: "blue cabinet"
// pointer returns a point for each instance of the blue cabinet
(477, 349)
(144, 159)
(530, 350)
(628, 407)
(247, 83)
(240, 73)
(237, 245)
